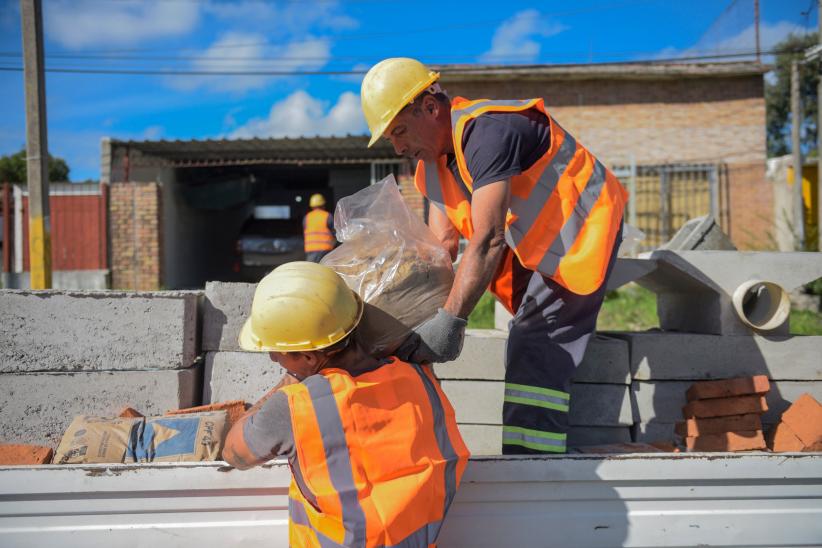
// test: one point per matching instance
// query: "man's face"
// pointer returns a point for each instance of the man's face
(417, 131)
(298, 364)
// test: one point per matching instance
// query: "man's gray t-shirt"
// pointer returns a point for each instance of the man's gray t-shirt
(499, 145)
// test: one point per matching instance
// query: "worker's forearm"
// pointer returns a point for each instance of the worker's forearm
(476, 270)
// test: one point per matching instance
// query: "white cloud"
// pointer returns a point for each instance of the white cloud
(240, 52)
(744, 41)
(77, 24)
(516, 38)
(300, 114)
(289, 18)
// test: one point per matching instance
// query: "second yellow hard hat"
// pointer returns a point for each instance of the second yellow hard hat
(316, 200)
(388, 87)
(300, 306)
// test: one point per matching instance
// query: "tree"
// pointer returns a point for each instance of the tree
(778, 96)
(13, 168)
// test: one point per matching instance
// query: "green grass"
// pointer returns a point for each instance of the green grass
(483, 315)
(633, 308)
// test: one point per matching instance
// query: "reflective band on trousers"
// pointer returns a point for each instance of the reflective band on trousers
(533, 439)
(537, 396)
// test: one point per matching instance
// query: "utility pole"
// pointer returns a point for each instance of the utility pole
(31, 12)
(819, 134)
(796, 152)
(756, 29)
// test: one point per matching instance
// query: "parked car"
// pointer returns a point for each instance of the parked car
(265, 243)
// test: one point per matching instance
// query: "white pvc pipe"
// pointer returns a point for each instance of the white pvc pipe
(761, 305)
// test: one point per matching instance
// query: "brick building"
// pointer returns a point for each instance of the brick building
(693, 134)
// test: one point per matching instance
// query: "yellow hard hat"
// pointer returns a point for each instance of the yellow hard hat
(316, 200)
(388, 87)
(300, 306)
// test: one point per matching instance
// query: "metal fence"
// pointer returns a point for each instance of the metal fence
(664, 197)
(78, 215)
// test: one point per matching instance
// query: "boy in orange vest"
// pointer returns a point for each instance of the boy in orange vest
(318, 230)
(373, 444)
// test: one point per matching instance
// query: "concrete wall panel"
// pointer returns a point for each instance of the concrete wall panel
(96, 331)
(689, 356)
(38, 407)
(239, 376)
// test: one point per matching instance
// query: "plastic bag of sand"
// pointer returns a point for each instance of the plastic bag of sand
(393, 261)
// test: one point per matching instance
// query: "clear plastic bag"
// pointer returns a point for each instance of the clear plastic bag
(393, 261)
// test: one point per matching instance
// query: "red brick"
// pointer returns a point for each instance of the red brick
(782, 438)
(19, 454)
(727, 441)
(722, 407)
(234, 409)
(804, 417)
(130, 412)
(716, 425)
(739, 386)
(665, 446)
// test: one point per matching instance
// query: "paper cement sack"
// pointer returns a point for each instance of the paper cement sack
(179, 438)
(96, 440)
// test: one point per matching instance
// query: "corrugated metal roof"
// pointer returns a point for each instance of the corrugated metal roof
(331, 150)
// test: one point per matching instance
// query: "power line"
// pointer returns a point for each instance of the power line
(445, 70)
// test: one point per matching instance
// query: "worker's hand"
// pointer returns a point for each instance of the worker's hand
(435, 341)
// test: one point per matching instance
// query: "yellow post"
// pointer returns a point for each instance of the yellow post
(39, 251)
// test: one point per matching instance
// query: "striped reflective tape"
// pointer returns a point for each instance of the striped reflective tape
(527, 210)
(298, 515)
(537, 396)
(538, 440)
(337, 458)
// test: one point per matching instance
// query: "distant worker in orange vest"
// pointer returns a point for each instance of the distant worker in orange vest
(543, 221)
(318, 230)
(375, 453)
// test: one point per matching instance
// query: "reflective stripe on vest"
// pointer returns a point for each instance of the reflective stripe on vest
(316, 235)
(565, 210)
(317, 410)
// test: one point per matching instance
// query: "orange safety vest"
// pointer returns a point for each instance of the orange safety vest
(565, 210)
(316, 235)
(378, 458)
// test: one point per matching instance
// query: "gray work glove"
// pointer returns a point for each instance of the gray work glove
(435, 341)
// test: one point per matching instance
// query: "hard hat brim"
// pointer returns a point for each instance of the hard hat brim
(378, 132)
(246, 339)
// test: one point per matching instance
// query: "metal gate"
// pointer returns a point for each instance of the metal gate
(664, 197)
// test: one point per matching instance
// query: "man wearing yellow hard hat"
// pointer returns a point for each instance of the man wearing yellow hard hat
(373, 445)
(318, 230)
(543, 221)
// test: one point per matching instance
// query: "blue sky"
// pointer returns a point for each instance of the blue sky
(325, 36)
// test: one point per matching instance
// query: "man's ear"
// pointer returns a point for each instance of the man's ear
(431, 106)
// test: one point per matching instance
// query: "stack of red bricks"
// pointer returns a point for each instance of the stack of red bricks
(725, 415)
(800, 428)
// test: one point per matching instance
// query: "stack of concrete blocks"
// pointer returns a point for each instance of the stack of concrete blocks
(67, 353)
(600, 403)
(702, 337)
(230, 373)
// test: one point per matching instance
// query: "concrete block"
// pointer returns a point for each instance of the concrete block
(96, 330)
(483, 357)
(486, 439)
(694, 288)
(690, 356)
(225, 309)
(482, 439)
(239, 376)
(480, 402)
(649, 432)
(662, 401)
(37, 407)
(579, 436)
